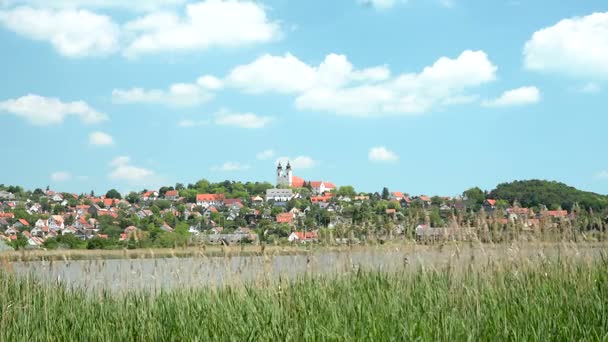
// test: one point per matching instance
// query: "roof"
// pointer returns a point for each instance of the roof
(209, 197)
(284, 218)
(306, 235)
(425, 198)
(398, 194)
(491, 202)
(172, 193)
(297, 182)
(24, 222)
(556, 213)
(391, 211)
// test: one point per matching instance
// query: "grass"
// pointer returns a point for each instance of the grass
(551, 300)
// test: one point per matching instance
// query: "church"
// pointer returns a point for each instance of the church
(285, 178)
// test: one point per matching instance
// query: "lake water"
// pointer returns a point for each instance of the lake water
(165, 273)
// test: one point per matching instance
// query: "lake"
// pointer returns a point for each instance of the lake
(119, 275)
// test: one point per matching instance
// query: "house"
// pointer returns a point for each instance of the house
(391, 212)
(167, 228)
(40, 231)
(55, 222)
(361, 198)
(21, 223)
(285, 218)
(109, 202)
(5, 195)
(321, 187)
(3, 223)
(172, 195)
(7, 215)
(319, 199)
(151, 195)
(397, 195)
(206, 200)
(57, 197)
(489, 205)
(303, 237)
(257, 201)
(34, 242)
(11, 231)
(279, 195)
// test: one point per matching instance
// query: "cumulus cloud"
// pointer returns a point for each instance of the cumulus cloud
(73, 33)
(147, 5)
(39, 110)
(242, 120)
(100, 139)
(516, 97)
(337, 86)
(124, 171)
(576, 47)
(382, 155)
(231, 167)
(178, 95)
(211, 23)
(61, 176)
(265, 155)
(379, 4)
(186, 123)
(299, 162)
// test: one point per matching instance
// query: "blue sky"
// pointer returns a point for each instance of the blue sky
(421, 96)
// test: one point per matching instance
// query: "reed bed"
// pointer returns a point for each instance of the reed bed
(547, 299)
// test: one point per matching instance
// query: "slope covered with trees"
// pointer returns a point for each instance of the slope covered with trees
(534, 193)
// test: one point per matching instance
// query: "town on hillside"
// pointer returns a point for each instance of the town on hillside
(294, 210)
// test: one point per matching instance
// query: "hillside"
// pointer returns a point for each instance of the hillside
(533, 193)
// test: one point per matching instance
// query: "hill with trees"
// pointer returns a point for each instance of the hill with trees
(534, 193)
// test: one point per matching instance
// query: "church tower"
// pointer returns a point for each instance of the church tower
(289, 174)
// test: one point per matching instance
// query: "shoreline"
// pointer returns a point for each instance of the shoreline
(258, 250)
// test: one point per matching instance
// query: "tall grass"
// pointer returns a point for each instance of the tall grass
(509, 300)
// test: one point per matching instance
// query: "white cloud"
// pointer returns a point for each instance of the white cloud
(178, 95)
(243, 120)
(337, 86)
(100, 139)
(210, 82)
(602, 174)
(590, 88)
(123, 170)
(231, 167)
(382, 155)
(61, 176)
(40, 110)
(515, 97)
(299, 162)
(211, 23)
(265, 155)
(412, 93)
(379, 4)
(73, 33)
(147, 5)
(192, 123)
(576, 47)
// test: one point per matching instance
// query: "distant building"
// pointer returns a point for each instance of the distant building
(286, 177)
(279, 195)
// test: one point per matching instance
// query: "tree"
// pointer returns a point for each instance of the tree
(132, 197)
(475, 196)
(346, 190)
(20, 243)
(385, 193)
(113, 194)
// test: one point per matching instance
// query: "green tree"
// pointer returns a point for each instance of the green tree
(114, 194)
(385, 193)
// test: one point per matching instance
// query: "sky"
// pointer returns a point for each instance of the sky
(421, 96)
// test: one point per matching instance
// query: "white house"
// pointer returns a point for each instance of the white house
(279, 195)
(321, 187)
